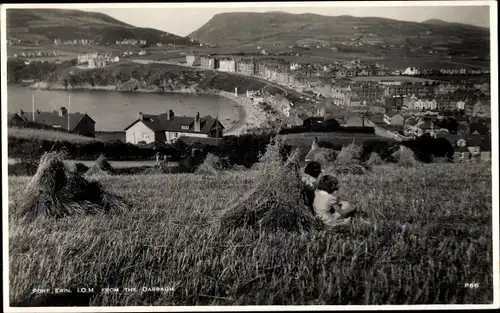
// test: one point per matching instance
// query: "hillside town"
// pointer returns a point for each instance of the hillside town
(397, 106)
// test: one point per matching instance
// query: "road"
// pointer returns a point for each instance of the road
(285, 89)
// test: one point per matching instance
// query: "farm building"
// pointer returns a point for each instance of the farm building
(77, 123)
(167, 127)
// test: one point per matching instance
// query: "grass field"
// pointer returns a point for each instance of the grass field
(43, 134)
(429, 233)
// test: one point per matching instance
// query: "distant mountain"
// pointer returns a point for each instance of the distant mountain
(48, 24)
(435, 21)
(233, 29)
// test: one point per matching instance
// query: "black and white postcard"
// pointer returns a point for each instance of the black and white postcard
(279, 155)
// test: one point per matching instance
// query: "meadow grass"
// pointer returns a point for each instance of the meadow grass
(428, 233)
(43, 134)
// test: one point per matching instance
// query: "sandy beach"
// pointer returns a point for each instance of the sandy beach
(250, 116)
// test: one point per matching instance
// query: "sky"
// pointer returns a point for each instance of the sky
(184, 20)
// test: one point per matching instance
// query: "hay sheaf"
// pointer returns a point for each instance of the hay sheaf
(405, 157)
(375, 159)
(101, 167)
(55, 191)
(212, 165)
(348, 161)
(275, 202)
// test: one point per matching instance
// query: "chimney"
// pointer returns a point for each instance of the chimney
(140, 116)
(63, 111)
(197, 123)
(170, 115)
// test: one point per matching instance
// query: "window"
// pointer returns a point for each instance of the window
(184, 127)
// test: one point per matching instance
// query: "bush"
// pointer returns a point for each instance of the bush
(22, 148)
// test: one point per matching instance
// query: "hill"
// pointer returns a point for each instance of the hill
(48, 24)
(233, 29)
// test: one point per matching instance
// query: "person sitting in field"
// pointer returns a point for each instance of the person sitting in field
(327, 205)
(309, 178)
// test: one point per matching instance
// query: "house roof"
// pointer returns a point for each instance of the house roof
(353, 114)
(162, 123)
(377, 118)
(314, 118)
(55, 119)
(412, 121)
(423, 125)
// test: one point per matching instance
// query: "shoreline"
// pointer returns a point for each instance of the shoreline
(248, 115)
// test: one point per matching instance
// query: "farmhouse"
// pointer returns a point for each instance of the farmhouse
(77, 123)
(167, 127)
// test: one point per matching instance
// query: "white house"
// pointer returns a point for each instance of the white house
(227, 65)
(168, 128)
(411, 71)
(190, 59)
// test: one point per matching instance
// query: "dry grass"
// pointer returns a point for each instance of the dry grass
(54, 191)
(429, 232)
(42, 134)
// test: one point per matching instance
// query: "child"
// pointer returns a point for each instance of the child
(309, 178)
(326, 204)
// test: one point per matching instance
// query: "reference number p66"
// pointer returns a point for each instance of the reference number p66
(471, 285)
